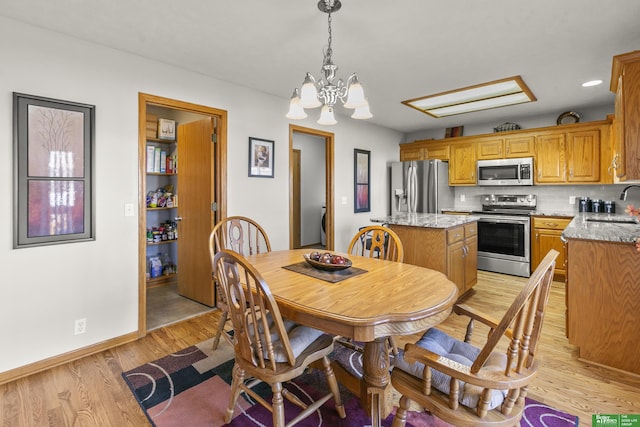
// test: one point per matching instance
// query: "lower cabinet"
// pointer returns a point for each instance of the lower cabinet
(452, 251)
(546, 233)
(603, 313)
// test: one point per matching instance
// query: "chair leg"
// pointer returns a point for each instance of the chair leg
(277, 405)
(333, 386)
(223, 320)
(238, 379)
(401, 414)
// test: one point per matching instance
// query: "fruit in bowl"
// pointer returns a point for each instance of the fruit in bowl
(327, 261)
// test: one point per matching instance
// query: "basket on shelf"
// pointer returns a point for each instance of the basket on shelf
(506, 127)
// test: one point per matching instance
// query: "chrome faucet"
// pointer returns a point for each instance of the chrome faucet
(623, 195)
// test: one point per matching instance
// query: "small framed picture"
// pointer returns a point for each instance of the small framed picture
(453, 132)
(167, 129)
(361, 175)
(261, 157)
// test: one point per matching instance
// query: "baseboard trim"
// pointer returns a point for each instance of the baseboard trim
(43, 365)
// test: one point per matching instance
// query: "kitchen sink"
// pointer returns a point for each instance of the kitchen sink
(615, 220)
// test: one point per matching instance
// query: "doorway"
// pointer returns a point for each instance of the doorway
(320, 205)
(201, 151)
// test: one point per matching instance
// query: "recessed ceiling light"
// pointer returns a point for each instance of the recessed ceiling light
(499, 93)
(592, 83)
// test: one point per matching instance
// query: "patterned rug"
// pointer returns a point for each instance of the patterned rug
(191, 387)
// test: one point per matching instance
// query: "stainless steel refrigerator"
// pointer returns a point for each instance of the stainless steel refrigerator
(420, 186)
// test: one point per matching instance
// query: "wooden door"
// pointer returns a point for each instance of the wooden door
(490, 149)
(295, 191)
(550, 158)
(519, 146)
(462, 167)
(583, 156)
(195, 196)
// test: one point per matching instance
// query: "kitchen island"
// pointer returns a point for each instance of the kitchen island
(446, 243)
(603, 289)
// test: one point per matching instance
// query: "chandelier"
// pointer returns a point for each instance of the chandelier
(327, 91)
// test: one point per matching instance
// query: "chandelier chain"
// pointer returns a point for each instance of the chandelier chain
(329, 52)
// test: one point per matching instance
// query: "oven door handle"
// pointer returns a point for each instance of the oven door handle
(504, 221)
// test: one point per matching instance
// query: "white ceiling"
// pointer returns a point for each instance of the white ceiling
(401, 50)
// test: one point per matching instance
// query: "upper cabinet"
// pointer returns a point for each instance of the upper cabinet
(504, 147)
(462, 164)
(577, 153)
(625, 83)
(571, 156)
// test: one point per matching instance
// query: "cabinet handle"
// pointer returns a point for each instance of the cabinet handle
(178, 218)
(551, 224)
(571, 172)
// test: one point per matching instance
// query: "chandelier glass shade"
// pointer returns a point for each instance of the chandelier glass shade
(327, 91)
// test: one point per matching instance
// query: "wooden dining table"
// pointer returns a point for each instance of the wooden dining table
(384, 298)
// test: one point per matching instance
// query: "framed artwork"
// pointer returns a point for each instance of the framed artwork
(53, 171)
(261, 157)
(453, 132)
(361, 175)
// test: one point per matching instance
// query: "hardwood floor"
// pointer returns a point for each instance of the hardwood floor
(91, 391)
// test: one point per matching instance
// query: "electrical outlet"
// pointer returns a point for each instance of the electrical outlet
(128, 209)
(572, 200)
(80, 326)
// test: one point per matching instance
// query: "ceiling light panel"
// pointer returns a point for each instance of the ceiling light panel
(499, 93)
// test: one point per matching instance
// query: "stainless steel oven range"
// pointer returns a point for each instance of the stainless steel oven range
(504, 230)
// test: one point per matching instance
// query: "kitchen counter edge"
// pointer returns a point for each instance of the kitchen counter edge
(426, 220)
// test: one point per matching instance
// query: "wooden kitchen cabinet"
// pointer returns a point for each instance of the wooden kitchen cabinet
(452, 251)
(462, 256)
(602, 302)
(505, 147)
(572, 156)
(462, 164)
(625, 83)
(425, 149)
(437, 150)
(411, 151)
(546, 235)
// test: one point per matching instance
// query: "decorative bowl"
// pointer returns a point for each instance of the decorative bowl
(325, 266)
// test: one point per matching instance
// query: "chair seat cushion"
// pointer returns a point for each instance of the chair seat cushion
(464, 353)
(300, 338)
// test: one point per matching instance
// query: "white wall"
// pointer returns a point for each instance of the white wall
(43, 290)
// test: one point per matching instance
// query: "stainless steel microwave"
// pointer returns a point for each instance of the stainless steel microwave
(506, 171)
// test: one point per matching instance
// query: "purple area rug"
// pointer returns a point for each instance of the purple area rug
(191, 387)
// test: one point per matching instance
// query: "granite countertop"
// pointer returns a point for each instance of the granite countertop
(426, 220)
(583, 227)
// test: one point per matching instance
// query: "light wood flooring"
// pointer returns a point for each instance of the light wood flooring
(91, 391)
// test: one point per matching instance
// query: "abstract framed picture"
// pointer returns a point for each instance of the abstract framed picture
(261, 157)
(361, 176)
(53, 171)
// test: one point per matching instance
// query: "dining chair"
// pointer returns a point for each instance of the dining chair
(374, 241)
(244, 236)
(466, 385)
(269, 349)
(377, 241)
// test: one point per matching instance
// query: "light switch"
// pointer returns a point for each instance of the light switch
(344, 200)
(128, 209)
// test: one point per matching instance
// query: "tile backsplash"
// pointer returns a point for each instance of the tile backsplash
(551, 198)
